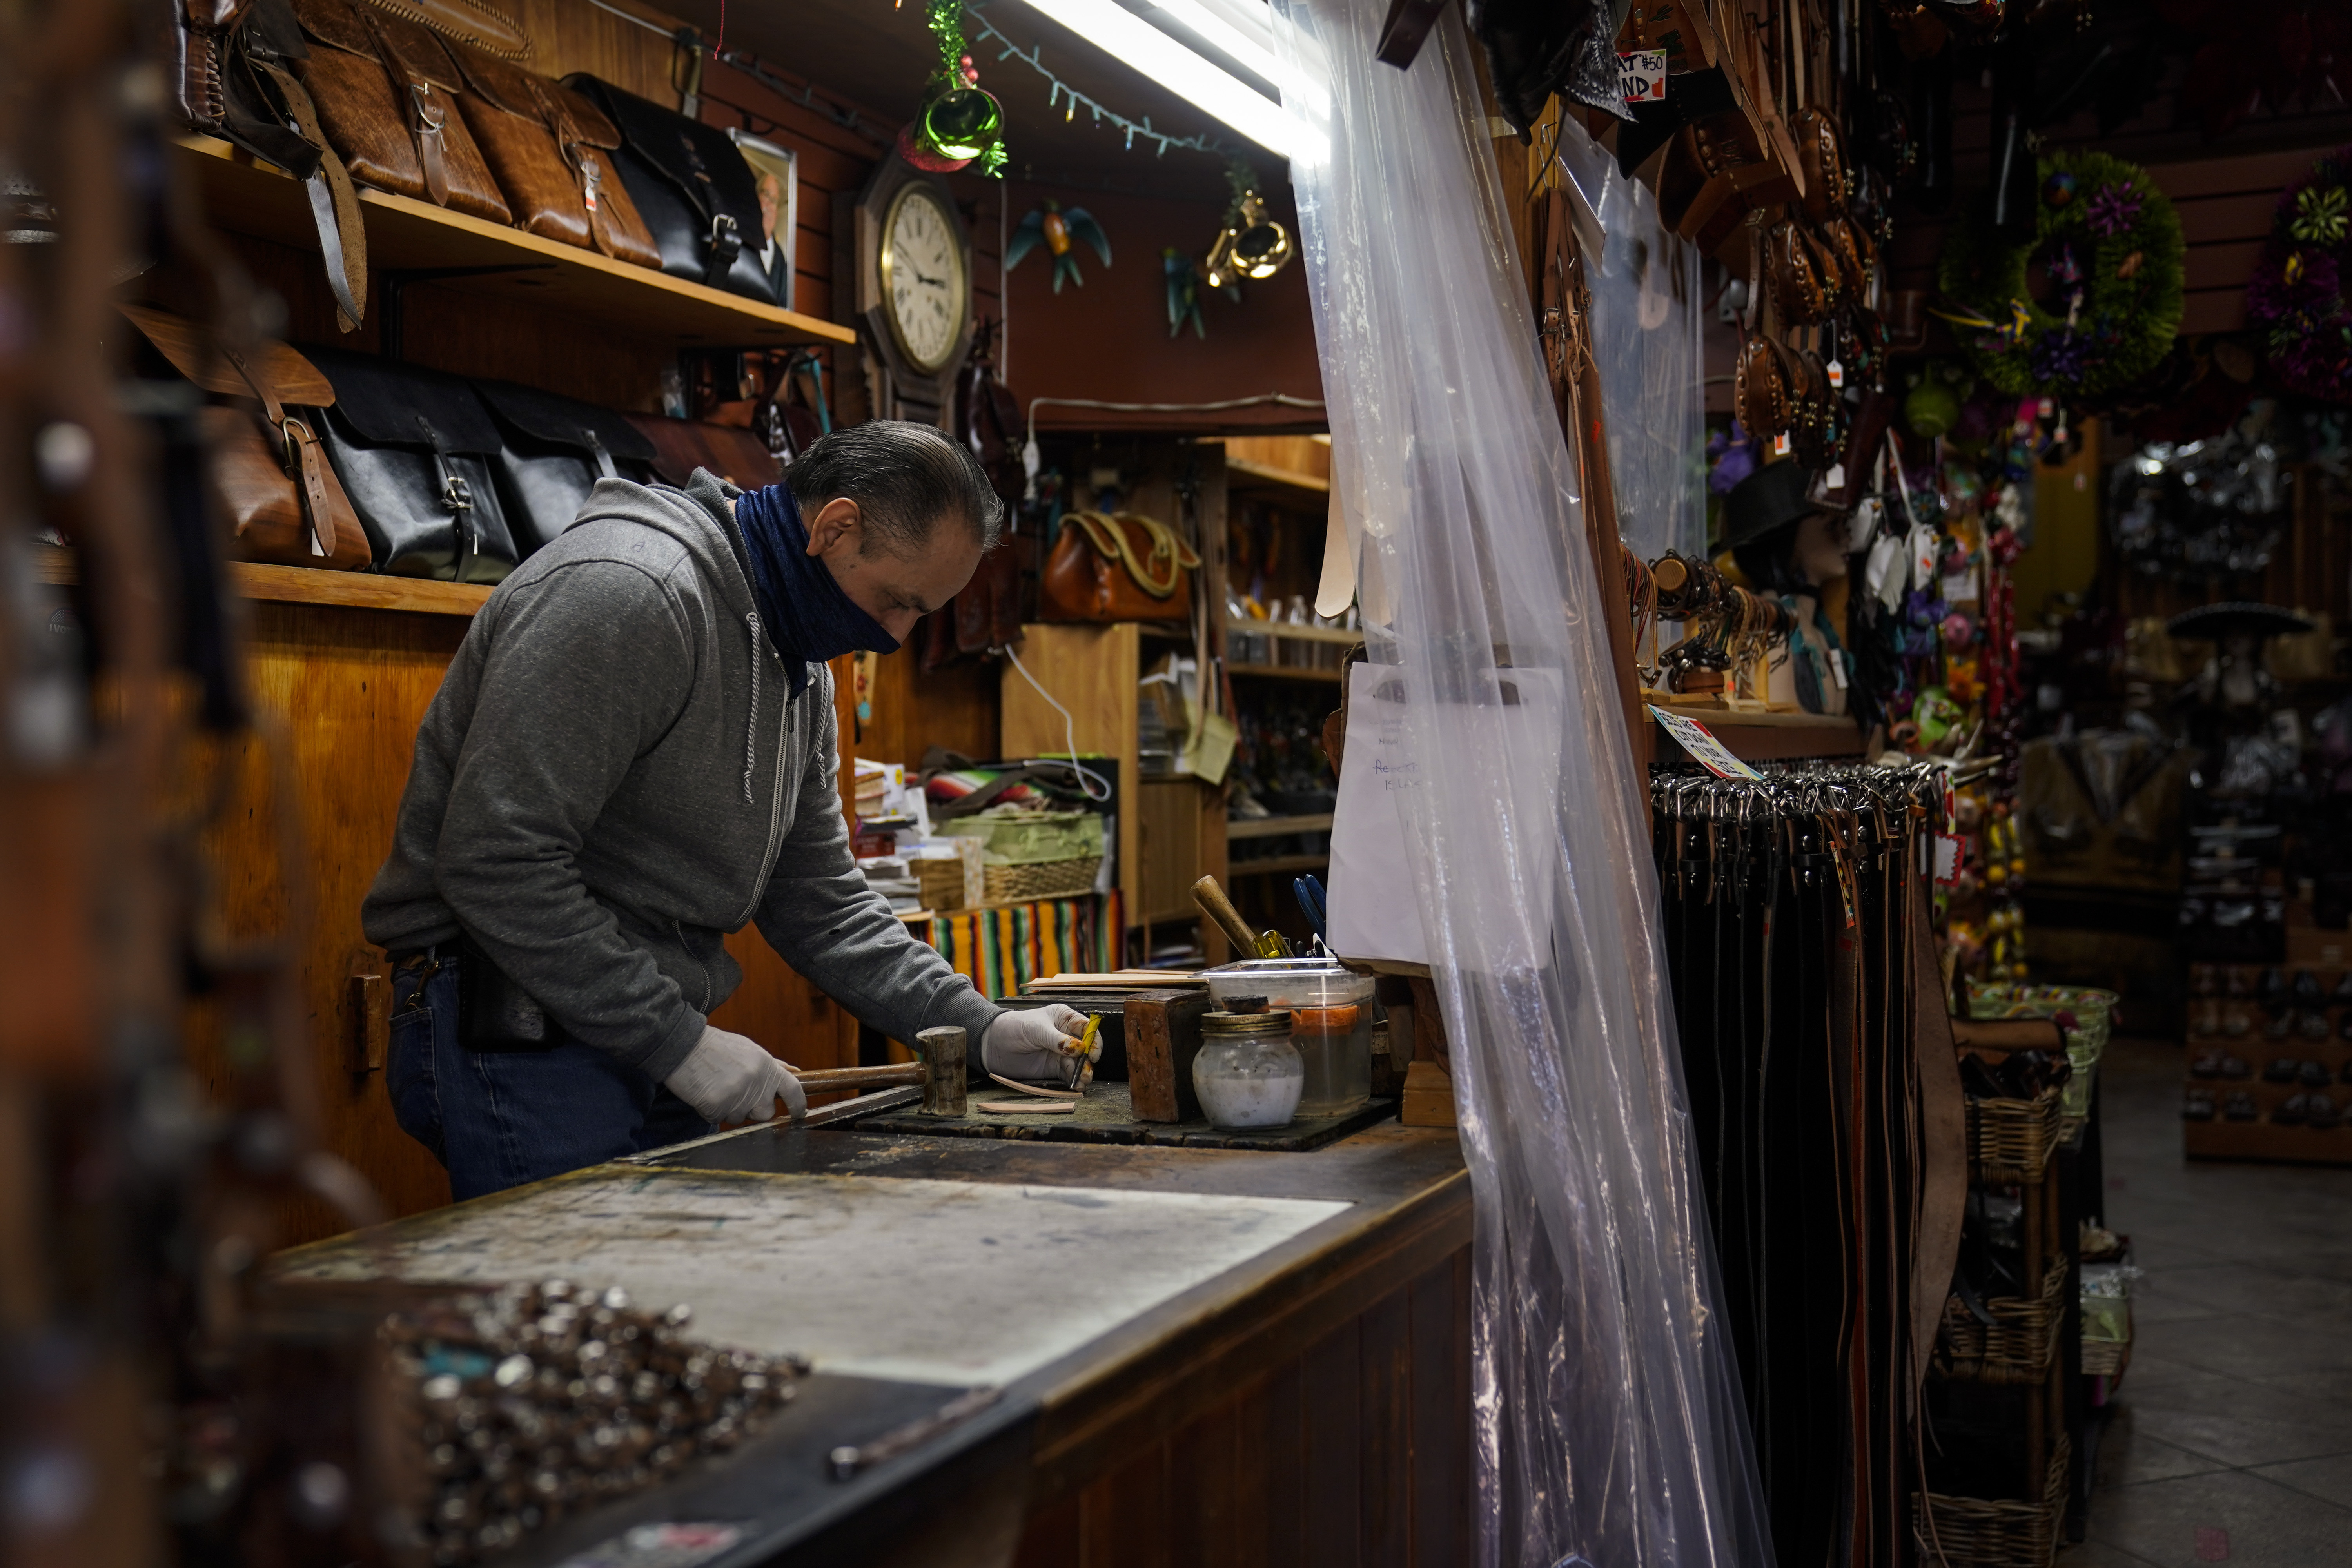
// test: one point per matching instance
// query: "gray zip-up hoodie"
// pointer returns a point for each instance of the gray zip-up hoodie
(612, 776)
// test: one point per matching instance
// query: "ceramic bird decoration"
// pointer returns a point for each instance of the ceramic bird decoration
(1054, 228)
(1183, 293)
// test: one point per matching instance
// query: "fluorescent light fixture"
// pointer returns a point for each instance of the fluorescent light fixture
(1250, 49)
(1128, 38)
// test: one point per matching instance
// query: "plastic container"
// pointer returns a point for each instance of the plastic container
(1331, 1023)
(1247, 1073)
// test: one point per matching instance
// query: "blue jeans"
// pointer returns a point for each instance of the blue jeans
(499, 1119)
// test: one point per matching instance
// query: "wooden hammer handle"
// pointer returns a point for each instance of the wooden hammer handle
(862, 1078)
(1219, 909)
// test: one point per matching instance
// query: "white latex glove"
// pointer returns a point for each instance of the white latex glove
(1034, 1043)
(729, 1077)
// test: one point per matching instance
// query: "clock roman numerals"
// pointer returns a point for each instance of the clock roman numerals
(927, 297)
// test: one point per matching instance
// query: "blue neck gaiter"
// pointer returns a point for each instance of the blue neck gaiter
(807, 616)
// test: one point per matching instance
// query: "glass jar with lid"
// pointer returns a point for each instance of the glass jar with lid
(1330, 1019)
(1248, 1074)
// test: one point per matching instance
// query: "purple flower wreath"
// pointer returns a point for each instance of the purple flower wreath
(2296, 293)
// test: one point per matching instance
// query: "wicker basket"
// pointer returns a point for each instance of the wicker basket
(1973, 1532)
(2094, 1011)
(2010, 1141)
(2105, 1358)
(1045, 880)
(2018, 1345)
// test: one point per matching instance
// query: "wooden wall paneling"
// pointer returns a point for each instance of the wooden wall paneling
(1441, 1478)
(1124, 1520)
(1272, 1458)
(1203, 1485)
(1050, 1539)
(1330, 1383)
(1385, 1345)
(345, 689)
(1091, 671)
(955, 707)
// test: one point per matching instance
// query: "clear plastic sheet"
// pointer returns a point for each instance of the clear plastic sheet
(1645, 342)
(1607, 1416)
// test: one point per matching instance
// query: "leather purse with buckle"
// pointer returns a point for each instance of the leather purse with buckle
(284, 503)
(386, 92)
(234, 63)
(554, 451)
(691, 186)
(554, 152)
(414, 448)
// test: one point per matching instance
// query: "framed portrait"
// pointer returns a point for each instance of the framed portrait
(775, 171)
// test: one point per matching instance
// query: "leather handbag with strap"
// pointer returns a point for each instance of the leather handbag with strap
(555, 450)
(553, 151)
(474, 24)
(387, 91)
(682, 446)
(284, 503)
(1117, 567)
(1821, 155)
(414, 448)
(235, 65)
(691, 186)
(1792, 267)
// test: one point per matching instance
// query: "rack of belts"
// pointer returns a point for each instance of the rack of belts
(1827, 1121)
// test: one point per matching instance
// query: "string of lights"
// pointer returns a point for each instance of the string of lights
(1060, 91)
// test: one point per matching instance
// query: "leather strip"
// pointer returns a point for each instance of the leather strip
(334, 204)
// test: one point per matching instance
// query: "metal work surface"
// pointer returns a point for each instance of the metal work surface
(849, 1271)
(1107, 1115)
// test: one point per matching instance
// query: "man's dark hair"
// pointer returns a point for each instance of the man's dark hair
(904, 477)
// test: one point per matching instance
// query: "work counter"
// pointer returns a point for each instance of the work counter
(1181, 1354)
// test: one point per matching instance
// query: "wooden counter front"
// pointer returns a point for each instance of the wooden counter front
(1302, 1397)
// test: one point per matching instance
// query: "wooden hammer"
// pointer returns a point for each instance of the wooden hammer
(940, 1073)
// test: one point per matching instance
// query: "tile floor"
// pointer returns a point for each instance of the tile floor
(2231, 1439)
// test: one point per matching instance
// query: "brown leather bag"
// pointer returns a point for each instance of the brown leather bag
(284, 504)
(1793, 268)
(1760, 390)
(551, 150)
(1117, 567)
(386, 92)
(476, 24)
(1822, 159)
(682, 446)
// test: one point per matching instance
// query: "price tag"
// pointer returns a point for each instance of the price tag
(1951, 854)
(1781, 446)
(1704, 748)
(1641, 76)
(1837, 374)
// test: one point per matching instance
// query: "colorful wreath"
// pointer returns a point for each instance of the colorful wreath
(2090, 304)
(2297, 292)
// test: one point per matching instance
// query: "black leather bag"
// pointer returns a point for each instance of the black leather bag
(555, 450)
(414, 448)
(692, 187)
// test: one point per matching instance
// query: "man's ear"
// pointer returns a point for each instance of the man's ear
(835, 521)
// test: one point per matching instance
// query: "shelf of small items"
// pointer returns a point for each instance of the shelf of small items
(2270, 1057)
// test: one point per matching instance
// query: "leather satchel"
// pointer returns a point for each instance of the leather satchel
(553, 151)
(555, 450)
(1117, 567)
(284, 503)
(682, 446)
(387, 91)
(691, 186)
(414, 448)
(235, 65)
(475, 23)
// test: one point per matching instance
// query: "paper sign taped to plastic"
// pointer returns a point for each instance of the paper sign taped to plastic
(1951, 854)
(1641, 76)
(1700, 742)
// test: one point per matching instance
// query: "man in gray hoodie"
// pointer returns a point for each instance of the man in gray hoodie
(634, 754)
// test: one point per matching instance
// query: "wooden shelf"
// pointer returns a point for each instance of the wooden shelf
(309, 585)
(1294, 633)
(257, 199)
(1241, 474)
(1276, 865)
(1277, 827)
(1285, 672)
(1773, 737)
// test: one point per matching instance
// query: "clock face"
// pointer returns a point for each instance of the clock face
(924, 290)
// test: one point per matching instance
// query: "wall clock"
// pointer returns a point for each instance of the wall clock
(914, 291)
